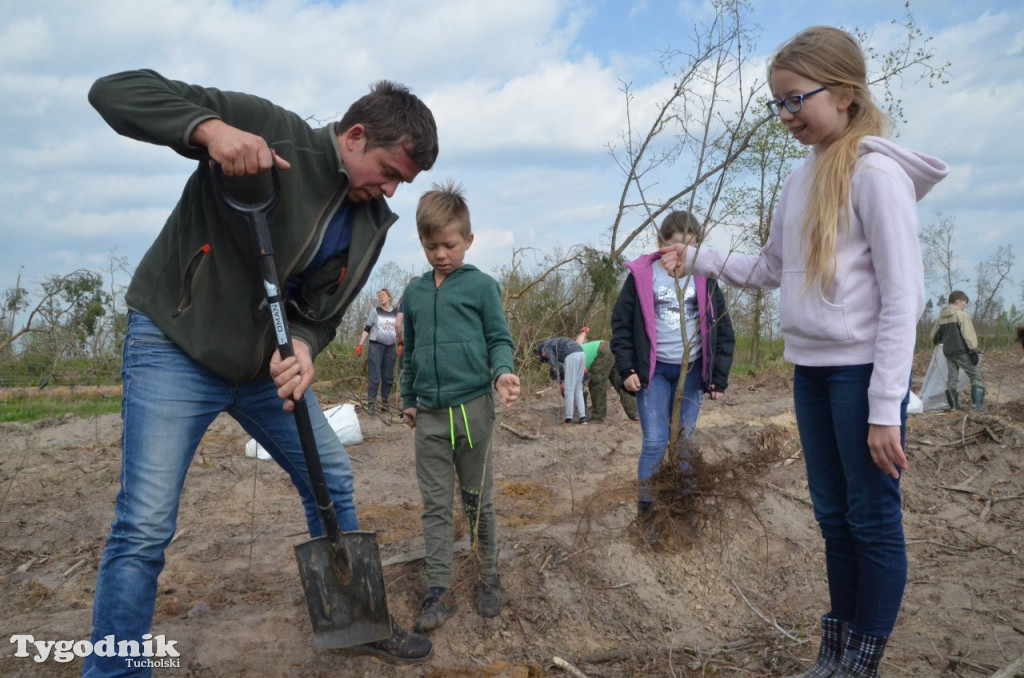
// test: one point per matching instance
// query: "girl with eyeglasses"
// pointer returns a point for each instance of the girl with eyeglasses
(843, 250)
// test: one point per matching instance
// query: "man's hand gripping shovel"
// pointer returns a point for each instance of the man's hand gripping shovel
(341, 571)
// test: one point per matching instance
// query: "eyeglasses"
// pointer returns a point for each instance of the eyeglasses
(794, 103)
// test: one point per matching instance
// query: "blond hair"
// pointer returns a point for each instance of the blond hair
(442, 207)
(833, 58)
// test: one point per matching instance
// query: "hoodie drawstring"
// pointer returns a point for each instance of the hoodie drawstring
(465, 421)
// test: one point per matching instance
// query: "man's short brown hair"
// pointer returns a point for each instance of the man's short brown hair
(957, 295)
(394, 116)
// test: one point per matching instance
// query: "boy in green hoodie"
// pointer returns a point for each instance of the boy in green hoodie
(458, 351)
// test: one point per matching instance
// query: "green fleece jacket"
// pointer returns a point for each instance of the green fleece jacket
(199, 281)
(457, 341)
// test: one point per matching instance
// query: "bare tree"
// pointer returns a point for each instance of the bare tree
(704, 124)
(15, 301)
(940, 261)
(991, 275)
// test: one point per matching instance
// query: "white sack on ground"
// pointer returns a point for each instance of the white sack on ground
(915, 406)
(933, 390)
(342, 419)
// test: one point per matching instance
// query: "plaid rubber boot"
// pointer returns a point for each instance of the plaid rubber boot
(861, 656)
(833, 638)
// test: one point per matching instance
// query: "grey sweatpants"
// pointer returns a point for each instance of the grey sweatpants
(456, 442)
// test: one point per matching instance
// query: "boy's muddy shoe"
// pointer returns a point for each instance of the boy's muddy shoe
(488, 596)
(436, 608)
(401, 647)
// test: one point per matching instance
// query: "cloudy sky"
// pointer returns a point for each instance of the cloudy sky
(526, 95)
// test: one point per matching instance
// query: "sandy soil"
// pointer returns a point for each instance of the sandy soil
(581, 583)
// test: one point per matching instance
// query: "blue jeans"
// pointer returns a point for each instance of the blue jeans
(857, 506)
(654, 405)
(169, 401)
(380, 371)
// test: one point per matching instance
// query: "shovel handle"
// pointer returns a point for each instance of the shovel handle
(256, 216)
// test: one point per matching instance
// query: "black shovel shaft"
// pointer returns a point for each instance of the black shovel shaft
(256, 216)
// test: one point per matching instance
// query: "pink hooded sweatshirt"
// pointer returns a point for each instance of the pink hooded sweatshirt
(870, 312)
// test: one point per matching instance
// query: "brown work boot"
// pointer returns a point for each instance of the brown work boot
(401, 647)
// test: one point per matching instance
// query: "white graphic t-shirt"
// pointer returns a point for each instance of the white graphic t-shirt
(668, 319)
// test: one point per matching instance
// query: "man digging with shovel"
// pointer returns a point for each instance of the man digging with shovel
(200, 338)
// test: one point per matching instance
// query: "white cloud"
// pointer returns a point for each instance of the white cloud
(526, 107)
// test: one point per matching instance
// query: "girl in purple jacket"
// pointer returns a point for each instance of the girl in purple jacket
(660, 344)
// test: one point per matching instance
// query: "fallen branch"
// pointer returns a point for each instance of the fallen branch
(613, 587)
(763, 617)
(993, 435)
(956, 662)
(964, 436)
(567, 667)
(419, 554)
(527, 436)
(960, 488)
(964, 486)
(74, 568)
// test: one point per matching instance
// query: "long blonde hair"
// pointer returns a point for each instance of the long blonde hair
(834, 58)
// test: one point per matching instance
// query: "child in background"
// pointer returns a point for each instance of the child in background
(380, 329)
(955, 331)
(843, 248)
(458, 351)
(601, 374)
(568, 368)
(654, 357)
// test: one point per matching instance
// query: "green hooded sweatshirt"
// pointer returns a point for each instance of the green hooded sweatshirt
(457, 341)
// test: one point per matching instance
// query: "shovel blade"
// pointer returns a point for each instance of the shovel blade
(344, 588)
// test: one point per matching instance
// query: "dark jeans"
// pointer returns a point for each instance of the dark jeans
(380, 371)
(856, 505)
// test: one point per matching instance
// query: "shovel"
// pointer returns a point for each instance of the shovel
(341, 571)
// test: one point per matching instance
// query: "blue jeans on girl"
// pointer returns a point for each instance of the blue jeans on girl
(856, 505)
(169, 400)
(654, 405)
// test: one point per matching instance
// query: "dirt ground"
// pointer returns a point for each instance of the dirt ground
(581, 583)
